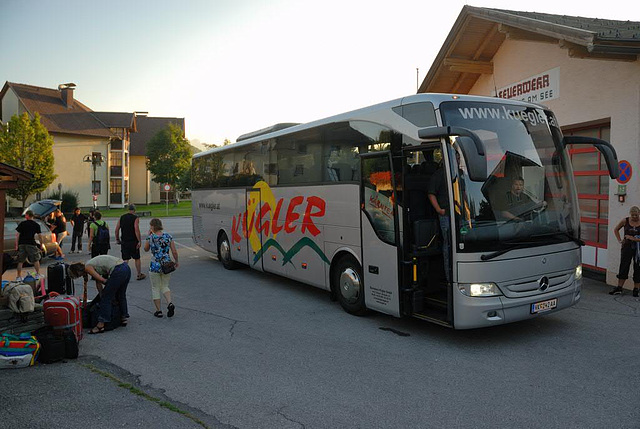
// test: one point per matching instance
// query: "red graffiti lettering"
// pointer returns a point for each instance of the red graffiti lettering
(275, 228)
(235, 228)
(307, 222)
(263, 220)
(291, 215)
(244, 225)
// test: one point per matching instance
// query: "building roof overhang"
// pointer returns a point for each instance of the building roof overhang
(478, 33)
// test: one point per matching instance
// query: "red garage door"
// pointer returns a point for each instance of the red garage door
(592, 182)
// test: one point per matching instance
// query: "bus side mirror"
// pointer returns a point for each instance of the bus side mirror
(471, 147)
(605, 148)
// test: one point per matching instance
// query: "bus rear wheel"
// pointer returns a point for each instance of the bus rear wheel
(348, 285)
(224, 252)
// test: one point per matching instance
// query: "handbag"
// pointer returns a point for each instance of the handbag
(167, 267)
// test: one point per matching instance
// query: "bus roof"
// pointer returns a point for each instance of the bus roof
(435, 98)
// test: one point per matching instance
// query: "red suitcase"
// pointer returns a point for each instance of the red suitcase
(64, 312)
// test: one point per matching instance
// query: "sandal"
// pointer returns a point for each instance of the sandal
(171, 309)
(158, 313)
(124, 322)
(141, 276)
(96, 330)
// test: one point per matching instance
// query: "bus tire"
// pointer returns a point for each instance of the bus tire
(224, 252)
(349, 286)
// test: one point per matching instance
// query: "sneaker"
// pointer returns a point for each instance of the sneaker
(72, 251)
(616, 291)
(171, 310)
(38, 276)
(18, 279)
(635, 292)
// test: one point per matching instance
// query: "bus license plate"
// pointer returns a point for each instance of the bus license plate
(542, 306)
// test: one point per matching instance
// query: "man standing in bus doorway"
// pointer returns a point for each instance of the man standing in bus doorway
(131, 242)
(439, 198)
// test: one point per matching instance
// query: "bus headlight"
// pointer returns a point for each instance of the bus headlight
(579, 272)
(479, 289)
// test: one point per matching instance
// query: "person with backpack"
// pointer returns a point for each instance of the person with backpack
(99, 240)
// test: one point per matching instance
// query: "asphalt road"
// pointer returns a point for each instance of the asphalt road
(250, 350)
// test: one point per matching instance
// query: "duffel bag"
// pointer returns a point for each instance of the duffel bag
(56, 345)
(18, 351)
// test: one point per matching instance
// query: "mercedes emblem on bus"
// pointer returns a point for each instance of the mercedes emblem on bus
(544, 283)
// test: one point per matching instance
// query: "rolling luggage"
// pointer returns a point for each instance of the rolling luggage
(58, 280)
(56, 345)
(63, 312)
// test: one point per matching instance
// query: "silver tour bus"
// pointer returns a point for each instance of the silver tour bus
(459, 210)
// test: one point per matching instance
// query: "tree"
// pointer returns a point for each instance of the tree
(25, 143)
(169, 154)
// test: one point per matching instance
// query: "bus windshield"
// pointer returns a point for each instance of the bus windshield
(528, 197)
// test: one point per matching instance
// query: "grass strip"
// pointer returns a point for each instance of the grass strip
(131, 388)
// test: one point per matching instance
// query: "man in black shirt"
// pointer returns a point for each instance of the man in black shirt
(26, 245)
(129, 223)
(438, 192)
(515, 200)
(77, 220)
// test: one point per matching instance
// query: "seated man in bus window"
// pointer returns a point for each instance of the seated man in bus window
(516, 202)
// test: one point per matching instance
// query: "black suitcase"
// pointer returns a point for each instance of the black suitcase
(52, 346)
(58, 280)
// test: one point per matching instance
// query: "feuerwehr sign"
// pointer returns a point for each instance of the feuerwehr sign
(535, 89)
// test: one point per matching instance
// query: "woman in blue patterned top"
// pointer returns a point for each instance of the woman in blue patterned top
(160, 243)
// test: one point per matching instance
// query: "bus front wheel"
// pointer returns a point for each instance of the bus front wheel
(224, 252)
(349, 287)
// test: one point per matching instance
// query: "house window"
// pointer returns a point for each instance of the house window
(115, 191)
(115, 161)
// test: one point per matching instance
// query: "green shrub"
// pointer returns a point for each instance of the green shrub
(69, 200)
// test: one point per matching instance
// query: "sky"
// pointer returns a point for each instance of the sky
(234, 66)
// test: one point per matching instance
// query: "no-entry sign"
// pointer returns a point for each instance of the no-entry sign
(625, 171)
(167, 187)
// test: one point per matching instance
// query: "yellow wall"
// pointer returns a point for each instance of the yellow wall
(139, 181)
(76, 175)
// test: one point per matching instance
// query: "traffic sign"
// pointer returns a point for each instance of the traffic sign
(167, 187)
(625, 171)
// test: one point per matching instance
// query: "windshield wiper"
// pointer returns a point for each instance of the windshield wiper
(524, 244)
(518, 245)
(570, 236)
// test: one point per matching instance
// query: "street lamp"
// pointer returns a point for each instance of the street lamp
(95, 159)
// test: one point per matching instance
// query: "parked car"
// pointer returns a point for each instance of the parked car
(40, 209)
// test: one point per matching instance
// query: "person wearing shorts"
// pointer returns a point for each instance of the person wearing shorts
(130, 242)
(26, 245)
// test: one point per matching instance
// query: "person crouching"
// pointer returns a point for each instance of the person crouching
(112, 277)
